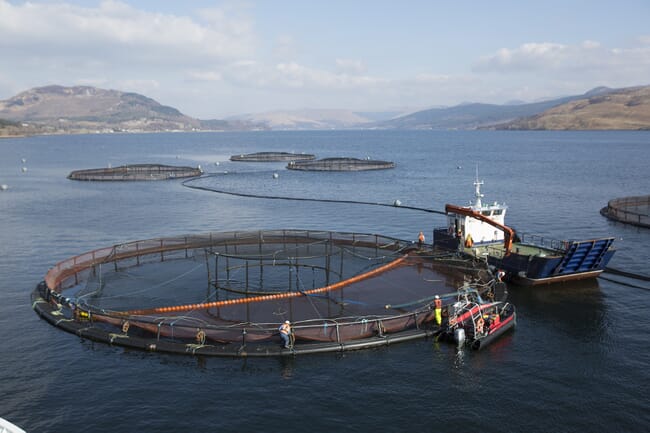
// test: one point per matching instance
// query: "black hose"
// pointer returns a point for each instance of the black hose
(627, 274)
(322, 200)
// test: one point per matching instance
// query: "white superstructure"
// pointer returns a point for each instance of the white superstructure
(476, 232)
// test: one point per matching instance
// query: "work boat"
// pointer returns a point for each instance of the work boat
(479, 230)
(476, 323)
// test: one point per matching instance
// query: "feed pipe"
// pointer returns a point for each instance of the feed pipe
(263, 298)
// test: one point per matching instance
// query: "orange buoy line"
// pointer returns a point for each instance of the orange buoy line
(262, 298)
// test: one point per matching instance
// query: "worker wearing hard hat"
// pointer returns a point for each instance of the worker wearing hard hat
(285, 333)
(437, 302)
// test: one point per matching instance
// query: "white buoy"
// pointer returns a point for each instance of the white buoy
(24, 160)
(275, 175)
(397, 203)
(459, 336)
(24, 169)
(4, 187)
(216, 163)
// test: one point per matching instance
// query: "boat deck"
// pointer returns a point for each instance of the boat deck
(498, 250)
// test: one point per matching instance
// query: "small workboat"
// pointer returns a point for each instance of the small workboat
(476, 323)
(479, 231)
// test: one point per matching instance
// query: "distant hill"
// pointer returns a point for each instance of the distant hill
(470, 115)
(315, 118)
(599, 109)
(89, 109)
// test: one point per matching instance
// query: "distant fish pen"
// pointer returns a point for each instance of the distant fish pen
(136, 172)
(225, 294)
(629, 210)
(340, 164)
(272, 157)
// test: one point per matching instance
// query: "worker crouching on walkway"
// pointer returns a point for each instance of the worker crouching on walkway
(285, 333)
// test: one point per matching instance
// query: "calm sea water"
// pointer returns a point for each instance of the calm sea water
(578, 360)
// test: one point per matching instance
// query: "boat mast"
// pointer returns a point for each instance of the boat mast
(477, 194)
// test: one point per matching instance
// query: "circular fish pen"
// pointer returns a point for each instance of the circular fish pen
(272, 157)
(136, 172)
(629, 210)
(225, 294)
(340, 164)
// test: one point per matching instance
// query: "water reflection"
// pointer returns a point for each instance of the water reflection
(286, 367)
(577, 308)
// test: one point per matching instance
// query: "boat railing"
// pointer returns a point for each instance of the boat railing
(541, 241)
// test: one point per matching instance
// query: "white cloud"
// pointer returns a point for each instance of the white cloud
(588, 57)
(122, 33)
(350, 66)
(205, 75)
(284, 47)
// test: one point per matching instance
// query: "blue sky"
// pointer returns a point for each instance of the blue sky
(212, 59)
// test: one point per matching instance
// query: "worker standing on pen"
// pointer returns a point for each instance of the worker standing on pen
(438, 309)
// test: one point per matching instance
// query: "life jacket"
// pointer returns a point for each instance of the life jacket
(421, 237)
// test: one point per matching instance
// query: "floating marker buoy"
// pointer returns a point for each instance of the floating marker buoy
(216, 163)
(275, 175)
(397, 203)
(459, 336)
(4, 187)
(458, 167)
(24, 169)
(24, 160)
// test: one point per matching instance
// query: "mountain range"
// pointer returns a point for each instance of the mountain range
(59, 109)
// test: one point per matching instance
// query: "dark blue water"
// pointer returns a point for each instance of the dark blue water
(578, 360)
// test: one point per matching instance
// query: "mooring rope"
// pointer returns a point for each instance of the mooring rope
(627, 274)
(186, 183)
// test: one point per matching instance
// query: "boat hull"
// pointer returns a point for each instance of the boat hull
(537, 270)
(505, 326)
(535, 265)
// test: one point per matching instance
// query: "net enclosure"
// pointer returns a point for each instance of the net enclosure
(630, 210)
(340, 164)
(136, 172)
(272, 157)
(226, 293)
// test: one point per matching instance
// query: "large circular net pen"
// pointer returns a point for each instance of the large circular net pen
(227, 293)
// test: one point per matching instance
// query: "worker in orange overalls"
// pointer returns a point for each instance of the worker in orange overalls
(437, 302)
(420, 240)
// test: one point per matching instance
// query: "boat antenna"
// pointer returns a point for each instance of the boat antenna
(477, 184)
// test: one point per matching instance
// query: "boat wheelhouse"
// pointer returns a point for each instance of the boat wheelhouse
(479, 230)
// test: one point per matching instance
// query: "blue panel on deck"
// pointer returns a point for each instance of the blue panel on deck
(583, 256)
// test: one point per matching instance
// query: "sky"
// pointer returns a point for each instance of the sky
(214, 59)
